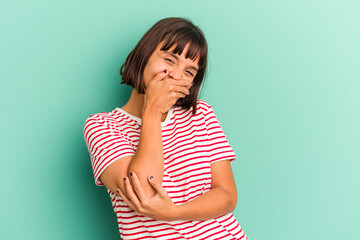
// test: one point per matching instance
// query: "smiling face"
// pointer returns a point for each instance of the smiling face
(178, 66)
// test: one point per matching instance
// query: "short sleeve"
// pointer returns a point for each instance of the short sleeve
(104, 144)
(220, 148)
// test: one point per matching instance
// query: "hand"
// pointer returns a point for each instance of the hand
(159, 207)
(163, 92)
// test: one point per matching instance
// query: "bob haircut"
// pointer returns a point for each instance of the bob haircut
(174, 30)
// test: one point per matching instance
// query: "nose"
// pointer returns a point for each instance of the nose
(175, 74)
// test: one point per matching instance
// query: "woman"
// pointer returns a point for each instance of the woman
(163, 156)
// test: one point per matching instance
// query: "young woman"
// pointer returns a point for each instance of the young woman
(163, 156)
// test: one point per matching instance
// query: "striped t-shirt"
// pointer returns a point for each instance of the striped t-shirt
(190, 144)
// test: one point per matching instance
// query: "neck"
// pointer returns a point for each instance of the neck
(135, 105)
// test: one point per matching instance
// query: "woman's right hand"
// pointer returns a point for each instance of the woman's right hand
(163, 92)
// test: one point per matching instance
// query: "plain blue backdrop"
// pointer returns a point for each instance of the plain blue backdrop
(283, 80)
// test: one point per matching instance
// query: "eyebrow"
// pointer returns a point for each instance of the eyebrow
(176, 57)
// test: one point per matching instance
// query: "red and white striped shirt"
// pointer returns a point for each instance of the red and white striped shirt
(190, 144)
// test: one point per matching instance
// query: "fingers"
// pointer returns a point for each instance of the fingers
(183, 90)
(157, 186)
(130, 192)
(138, 188)
(160, 75)
(179, 92)
(179, 88)
(184, 83)
(178, 95)
(126, 200)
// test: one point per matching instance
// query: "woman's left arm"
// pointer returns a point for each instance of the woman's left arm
(219, 200)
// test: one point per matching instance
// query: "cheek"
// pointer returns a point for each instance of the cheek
(152, 68)
(158, 66)
(155, 68)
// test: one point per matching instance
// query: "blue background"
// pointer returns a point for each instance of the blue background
(283, 80)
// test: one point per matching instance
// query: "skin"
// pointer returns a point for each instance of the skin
(162, 91)
(177, 69)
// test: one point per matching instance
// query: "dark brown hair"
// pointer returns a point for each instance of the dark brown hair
(174, 30)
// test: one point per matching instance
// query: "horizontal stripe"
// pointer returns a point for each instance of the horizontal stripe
(191, 143)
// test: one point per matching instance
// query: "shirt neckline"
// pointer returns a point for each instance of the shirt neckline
(164, 123)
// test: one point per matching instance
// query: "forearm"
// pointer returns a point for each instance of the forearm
(211, 204)
(149, 157)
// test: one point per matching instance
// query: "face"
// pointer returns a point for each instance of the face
(178, 66)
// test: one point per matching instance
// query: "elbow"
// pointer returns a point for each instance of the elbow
(142, 176)
(144, 172)
(232, 201)
(137, 170)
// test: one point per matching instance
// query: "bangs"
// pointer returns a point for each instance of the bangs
(182, 38)
(168, 31)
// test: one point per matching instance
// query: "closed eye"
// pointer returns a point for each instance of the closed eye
(190, 73)
(169, 60)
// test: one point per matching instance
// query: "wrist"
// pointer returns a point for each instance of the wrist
(176, 212)
(149, 111)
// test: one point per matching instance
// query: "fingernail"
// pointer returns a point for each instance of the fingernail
(130, 173)
(151, 177)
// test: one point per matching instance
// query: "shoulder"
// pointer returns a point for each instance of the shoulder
(102, 118)
(202, 106)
